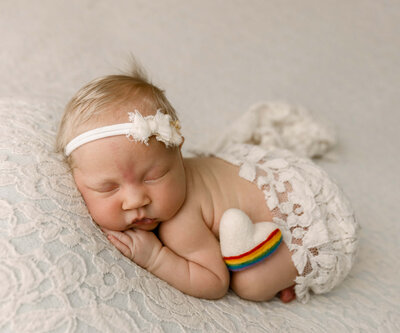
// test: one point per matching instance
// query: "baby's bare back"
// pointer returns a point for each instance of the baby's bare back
(219, 187)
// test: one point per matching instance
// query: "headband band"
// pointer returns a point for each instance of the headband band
(140, 129)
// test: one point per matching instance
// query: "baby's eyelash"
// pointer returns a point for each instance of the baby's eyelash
(154, 179)
(107, 189)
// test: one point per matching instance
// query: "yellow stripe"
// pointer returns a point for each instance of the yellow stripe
(261, 250)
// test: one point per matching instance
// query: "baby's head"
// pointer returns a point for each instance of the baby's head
(121, 139)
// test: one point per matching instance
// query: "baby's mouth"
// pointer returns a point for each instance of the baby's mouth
(143, 221)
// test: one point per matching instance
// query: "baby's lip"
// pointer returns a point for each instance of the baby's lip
(143, 221)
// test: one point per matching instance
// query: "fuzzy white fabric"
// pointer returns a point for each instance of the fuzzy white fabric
(276, 124)
(238, 234)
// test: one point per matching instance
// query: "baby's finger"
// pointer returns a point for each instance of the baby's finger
(121, 236)
(105, 230)
(121, 247)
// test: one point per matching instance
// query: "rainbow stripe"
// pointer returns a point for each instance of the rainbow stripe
(255, 255)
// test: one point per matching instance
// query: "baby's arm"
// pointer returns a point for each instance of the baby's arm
(199, 270)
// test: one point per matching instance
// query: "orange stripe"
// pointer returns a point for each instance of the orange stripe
(272, 234)
(257, 251)
(247, 264)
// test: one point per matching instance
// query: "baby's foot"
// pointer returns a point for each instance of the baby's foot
(287, 295)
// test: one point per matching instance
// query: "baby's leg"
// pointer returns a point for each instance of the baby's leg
(263, 281)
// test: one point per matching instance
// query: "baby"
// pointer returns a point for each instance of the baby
(121, 138)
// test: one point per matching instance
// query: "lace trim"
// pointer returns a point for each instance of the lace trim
(315, 217)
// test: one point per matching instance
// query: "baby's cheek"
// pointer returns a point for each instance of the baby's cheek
(173, 197)
(103, 211)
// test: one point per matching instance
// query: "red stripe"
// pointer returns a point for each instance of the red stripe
(256, 248)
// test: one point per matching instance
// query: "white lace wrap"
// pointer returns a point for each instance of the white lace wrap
(276, 124)
(271, 143)
(314, 215)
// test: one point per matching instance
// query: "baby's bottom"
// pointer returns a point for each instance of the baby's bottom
(263, 281)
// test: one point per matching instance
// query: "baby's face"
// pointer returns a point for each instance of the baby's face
(127, 184)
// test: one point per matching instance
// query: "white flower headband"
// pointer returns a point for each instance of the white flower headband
(139, 129)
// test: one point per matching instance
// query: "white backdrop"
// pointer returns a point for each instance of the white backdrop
(215, 58)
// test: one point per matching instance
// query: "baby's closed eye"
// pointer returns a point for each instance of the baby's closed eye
(105, 188)
(155, 176)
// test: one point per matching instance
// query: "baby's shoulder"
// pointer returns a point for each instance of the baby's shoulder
(185, 232)
(189, 215)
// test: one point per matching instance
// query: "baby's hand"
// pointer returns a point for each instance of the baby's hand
(142, 247)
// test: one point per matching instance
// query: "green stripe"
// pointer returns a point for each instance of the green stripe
(244, 265)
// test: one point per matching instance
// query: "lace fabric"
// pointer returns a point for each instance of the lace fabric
(59, 274)
(314, 215)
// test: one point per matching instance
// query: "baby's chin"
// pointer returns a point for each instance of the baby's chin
(147, 227)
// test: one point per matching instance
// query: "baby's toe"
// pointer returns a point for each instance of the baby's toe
(287, 295)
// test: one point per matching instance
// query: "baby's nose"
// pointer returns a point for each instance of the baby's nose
(134, 199)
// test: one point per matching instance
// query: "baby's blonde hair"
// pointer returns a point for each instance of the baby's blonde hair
(104, 94)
